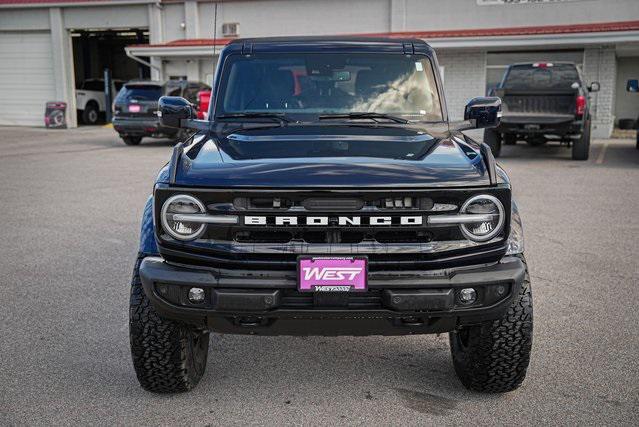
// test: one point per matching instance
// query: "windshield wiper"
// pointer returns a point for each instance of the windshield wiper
(280, 117)
(363, 115)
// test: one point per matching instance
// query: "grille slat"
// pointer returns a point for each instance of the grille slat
(371, 299)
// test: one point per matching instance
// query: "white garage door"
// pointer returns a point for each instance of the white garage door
(26, 77)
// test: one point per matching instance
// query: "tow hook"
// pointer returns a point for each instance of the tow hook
(411, 321)
(250, 321)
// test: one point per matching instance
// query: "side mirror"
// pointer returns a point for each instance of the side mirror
(484, 111)
(594, 87)
(174, 109)
(632, 85)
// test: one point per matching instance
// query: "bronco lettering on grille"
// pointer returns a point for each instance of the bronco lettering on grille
(339, 220)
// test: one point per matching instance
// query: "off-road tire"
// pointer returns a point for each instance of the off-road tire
(510, 139)
(168, 356)
(493, 139)
(627, 124)
(493, 357)
(90, 114)
(132, 140)
(581, 146)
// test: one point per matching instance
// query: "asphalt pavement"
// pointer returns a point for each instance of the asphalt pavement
(71, 203)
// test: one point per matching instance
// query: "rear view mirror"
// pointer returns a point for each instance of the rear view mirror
(485, 111)
(174, 109)
(594, 87)
(632, 85)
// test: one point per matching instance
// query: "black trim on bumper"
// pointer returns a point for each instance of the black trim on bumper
(267, 302)
(141, 126)
(530, 126)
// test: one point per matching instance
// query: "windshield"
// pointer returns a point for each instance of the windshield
(139, 93)
(541, 76)
(321, 83)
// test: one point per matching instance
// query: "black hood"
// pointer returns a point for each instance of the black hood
(332, 156)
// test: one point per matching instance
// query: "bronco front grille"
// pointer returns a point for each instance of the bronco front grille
(275, 227)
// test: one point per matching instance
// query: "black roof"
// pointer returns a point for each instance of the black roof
(325, 44)
(325, 39)
(341, 44)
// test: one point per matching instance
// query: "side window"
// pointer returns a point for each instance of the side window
(94, 85)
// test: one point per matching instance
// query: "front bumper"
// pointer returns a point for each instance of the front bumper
(268, 303)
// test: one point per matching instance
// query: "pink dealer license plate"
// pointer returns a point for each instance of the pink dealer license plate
(134, 108)
(332, 274)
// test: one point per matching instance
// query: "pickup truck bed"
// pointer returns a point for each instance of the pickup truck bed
(542, 101)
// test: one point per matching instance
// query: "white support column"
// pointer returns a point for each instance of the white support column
(600, 64)
(156, 35)
(62, 53)
(192, 19)
(157, 69)
(193, 69)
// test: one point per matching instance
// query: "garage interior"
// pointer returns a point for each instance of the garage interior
(97, 50)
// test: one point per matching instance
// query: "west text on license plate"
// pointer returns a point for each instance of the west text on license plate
(332, 274)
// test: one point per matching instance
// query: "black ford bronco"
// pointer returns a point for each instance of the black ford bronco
(328, 194)
(544, 101)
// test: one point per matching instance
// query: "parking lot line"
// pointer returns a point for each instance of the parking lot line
(602, 154)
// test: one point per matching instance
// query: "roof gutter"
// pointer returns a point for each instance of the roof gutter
(164, 51)
(140, 60)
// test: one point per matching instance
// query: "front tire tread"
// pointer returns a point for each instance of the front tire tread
(496, 354)
(166, 356)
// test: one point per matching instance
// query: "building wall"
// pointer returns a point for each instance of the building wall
(24, 19)
(626, 103)
(600, 65)
(106, 17)
(464, 78)
(314, 17)
(294, 17)
(467, 14)
(465, 70)
(173, 16)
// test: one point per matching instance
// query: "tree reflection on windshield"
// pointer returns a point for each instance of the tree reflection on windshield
(331, 83)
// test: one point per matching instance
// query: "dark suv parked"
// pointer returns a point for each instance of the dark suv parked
(328, 194)
(544, 101)
(136, 105)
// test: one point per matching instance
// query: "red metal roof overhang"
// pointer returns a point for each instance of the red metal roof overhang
(592, 33)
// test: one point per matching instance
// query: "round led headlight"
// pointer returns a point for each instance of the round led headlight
(492, 222)
(178, 228)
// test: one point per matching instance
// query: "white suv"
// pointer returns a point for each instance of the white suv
(89, 98)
